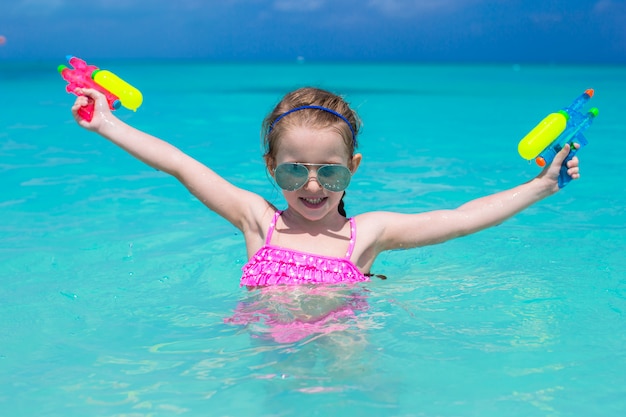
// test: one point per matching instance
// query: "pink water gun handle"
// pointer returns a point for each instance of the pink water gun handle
(81, 77)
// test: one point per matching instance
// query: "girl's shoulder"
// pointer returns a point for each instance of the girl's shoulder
(370, 225)
(374, 218)
(385, 230)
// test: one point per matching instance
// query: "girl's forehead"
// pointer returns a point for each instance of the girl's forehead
(305, 144)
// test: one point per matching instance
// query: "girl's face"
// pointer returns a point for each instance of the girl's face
(313, 146)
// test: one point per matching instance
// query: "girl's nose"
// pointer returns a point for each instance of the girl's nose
(314, 185)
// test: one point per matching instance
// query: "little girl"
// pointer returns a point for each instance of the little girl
(310, 140)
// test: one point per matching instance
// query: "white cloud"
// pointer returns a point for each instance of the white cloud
(298, 5)
(35, 7)
(603, 6)
(610, 6)
(409, 8)
(26, 8)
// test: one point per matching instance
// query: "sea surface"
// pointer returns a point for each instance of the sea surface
(119, 292)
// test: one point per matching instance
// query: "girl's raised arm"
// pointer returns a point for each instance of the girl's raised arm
(411, 230)
(238, 206)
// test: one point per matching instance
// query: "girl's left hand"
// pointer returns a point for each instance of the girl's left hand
(101, 111)
(552, 172)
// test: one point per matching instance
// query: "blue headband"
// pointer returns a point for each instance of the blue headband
(326, 109)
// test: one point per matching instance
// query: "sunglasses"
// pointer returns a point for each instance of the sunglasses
(292, 176)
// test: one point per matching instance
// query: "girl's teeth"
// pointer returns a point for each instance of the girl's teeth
(313, 200)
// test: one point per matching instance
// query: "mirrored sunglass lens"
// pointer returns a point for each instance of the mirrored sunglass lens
(334, 177)
(290, 177)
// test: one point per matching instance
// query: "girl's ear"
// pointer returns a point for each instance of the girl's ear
(270, 164)
(355, 162)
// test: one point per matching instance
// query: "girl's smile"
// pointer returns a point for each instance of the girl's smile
(313, 203)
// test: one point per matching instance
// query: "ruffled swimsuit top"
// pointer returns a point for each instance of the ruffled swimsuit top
(273, 265)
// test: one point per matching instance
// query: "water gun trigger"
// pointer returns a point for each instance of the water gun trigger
(564, 177)
(86, 111)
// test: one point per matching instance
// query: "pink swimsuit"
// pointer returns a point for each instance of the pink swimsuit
(273, 265)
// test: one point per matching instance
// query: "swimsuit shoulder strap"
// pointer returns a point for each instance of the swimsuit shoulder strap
(270, 229)
(352, 237)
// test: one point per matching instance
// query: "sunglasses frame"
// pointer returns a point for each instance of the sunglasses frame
(326, 185)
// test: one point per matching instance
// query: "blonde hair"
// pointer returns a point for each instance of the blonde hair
(310, 117)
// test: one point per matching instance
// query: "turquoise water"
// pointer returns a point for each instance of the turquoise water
(120, 293)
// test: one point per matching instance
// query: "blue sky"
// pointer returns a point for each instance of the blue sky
(512, 31)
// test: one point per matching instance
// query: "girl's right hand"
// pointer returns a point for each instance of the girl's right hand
(101, 112)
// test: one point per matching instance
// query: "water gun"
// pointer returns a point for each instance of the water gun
(117, 91)
(566, 126)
